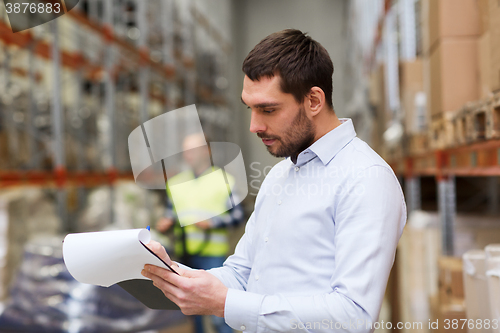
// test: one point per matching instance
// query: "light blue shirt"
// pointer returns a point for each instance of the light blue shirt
(319, 246)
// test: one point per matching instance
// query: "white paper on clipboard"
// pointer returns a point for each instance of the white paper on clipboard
(105, 258)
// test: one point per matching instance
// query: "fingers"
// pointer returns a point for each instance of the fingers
(154, 246)
(151, 270)
(160, 251)
(168, 289)
(195, 292)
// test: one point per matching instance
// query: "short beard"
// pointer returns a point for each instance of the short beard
(298, 137)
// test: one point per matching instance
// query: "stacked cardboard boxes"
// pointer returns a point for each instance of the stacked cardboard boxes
(451, 32)
(450, 281)
(494, 25)
(451, 294)
(489, 47)
(413, 104)
(484, 49)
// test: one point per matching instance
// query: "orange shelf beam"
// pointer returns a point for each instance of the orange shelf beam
(477, 159)
(53, 179)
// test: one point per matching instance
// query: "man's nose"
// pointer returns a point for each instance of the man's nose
(256, 124)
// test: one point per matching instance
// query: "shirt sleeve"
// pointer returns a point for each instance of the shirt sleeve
(369, 219)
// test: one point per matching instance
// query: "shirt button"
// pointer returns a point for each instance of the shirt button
(266, 239)
(256, 277)
(297, 168)
(279, 202)
(242, 327)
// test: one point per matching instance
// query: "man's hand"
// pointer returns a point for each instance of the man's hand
(164, 224)
(196, 292)
(160, 251)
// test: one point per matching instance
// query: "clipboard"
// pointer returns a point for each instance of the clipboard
(145, 292)
(116, 257)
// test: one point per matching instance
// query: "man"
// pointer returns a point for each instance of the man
(319, 246)
(201, 243)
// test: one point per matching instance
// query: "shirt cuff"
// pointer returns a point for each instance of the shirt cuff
(241, 310)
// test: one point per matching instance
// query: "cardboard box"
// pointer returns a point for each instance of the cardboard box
(412, 75)
(484, 56)
(452, 319)
(411, 83)
(450, 280)
(484, 16)
(494, 21)
(415, 109)
(453, 75)
(424, 26)
(452, 18)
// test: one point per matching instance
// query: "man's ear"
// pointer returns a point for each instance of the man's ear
(315, 100)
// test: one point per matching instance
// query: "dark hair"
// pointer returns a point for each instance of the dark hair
(300, 61)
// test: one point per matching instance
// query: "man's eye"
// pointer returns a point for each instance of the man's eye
(267, 111)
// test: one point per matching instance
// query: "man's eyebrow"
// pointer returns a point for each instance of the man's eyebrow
(266, 105)
(262, 105)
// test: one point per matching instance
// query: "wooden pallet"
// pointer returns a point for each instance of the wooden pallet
(436, 134)
(441, 132)
(418, 143)
(459, 123)
(478, 119)
(469, 123)
(493, 120)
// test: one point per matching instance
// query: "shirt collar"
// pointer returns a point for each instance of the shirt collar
(329, 144)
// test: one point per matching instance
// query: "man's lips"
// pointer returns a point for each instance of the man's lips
(268, 142)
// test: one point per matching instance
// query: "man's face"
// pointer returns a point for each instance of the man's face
(195, 151)
(277, 118)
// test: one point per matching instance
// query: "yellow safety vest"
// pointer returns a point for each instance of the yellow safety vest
(192, 205)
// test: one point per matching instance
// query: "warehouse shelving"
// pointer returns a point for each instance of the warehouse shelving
(446, 156)
(473, 151)
(158, 70)
(54, 179)
(476, 159)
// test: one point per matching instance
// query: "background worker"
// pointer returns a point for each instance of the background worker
(319, 246)
(203, 244)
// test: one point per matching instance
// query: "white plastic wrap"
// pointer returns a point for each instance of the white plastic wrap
(493, 278)
(477, 304)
